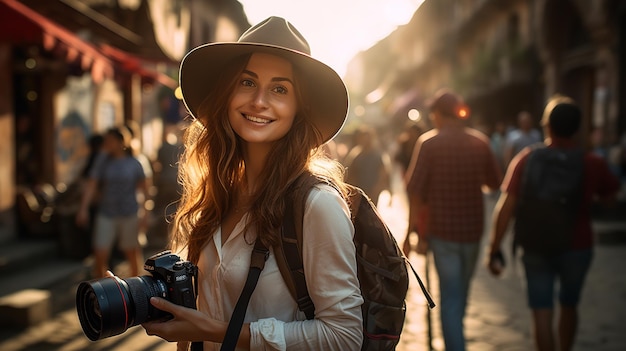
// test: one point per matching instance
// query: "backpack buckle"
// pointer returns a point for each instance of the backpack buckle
(262, 251)
(259, 256)
(305, 304)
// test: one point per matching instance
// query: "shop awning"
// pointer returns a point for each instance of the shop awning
(19, 24)
(131, 63)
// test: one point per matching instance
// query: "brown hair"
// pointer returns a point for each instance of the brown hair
(212, 167)
(562, 115)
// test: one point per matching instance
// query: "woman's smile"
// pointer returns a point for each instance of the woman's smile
(257, 119)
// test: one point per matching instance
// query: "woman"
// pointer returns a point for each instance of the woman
(264, 108)
(116, 176)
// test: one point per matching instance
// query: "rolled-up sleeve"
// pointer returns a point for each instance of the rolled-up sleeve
(267, 334)
(331, 275)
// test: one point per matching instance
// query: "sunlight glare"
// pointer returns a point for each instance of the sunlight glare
(337, 30)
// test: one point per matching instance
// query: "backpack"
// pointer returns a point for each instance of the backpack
(550, 196)
(381, 265)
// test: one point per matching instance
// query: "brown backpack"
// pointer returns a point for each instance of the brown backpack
(381, 265)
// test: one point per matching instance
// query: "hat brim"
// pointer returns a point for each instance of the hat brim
(328, 94)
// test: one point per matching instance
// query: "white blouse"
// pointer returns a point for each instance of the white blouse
(331, 276)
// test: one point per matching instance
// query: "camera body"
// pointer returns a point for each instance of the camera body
(109, 306)
(179, 277)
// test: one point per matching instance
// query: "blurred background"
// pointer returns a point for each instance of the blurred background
(71, 69)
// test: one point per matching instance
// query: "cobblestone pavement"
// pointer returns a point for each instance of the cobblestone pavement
(497, 317)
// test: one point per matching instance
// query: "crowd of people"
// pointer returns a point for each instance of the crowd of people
(449, 168)
(264, 112)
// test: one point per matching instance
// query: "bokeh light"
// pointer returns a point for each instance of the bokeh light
(414, 115)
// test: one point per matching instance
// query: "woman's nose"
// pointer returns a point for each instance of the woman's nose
(260, 98)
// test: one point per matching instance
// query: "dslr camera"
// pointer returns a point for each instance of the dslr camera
(109, 306)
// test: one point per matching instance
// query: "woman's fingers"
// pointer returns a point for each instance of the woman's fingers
(165, 305)
(184, 325)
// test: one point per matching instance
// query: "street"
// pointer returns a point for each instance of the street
(497, 317)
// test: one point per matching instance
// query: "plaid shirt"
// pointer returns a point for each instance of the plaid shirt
(449, 168)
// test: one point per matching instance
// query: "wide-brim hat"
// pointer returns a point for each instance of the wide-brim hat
(327, 92)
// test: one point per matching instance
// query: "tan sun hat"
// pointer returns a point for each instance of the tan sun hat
(275, 35)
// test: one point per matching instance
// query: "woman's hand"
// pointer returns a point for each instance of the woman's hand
(187, 324)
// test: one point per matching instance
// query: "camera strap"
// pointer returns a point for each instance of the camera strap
(260, 253)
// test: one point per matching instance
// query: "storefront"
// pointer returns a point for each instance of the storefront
(57, 89)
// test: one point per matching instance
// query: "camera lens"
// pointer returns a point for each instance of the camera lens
(111, 305)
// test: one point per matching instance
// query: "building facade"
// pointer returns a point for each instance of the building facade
(503, 57)
(72, 68)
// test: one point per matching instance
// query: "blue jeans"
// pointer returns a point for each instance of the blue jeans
(455, 263)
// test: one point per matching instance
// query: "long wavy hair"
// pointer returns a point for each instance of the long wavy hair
(212, 167)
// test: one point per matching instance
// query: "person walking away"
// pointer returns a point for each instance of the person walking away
(263, 109)
(451, 165)
(497, 141)
(119, 178)
(568, 260)
(367, 166)
(406, 144)
(524, 135)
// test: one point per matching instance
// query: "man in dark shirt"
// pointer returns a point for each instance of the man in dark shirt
(561, 120)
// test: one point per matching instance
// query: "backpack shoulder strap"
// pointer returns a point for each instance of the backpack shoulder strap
(288, 251)
(533, 160)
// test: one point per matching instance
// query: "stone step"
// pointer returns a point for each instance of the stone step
(18, 254)
(25, 308)
(33, 294)
(49, 274)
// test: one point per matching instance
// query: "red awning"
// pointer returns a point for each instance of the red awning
(132, 63)
(21, 24)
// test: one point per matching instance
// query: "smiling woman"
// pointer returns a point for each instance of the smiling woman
(263, 107)
(337, 30)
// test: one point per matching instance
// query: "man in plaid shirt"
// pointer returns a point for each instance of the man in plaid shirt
(451, 166)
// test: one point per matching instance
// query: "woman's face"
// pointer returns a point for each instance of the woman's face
(263, 104)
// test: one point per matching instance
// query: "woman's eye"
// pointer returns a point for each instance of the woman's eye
(247, 83)
(280, 90)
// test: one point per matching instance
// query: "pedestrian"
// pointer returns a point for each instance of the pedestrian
(498, 142)
(450, 166)
(77, 241)
(524, 135)
(168, 188)
(117, 177)
(569, 266)
(406, 144)
(263, 109)
(135, 147)
(367, 166)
